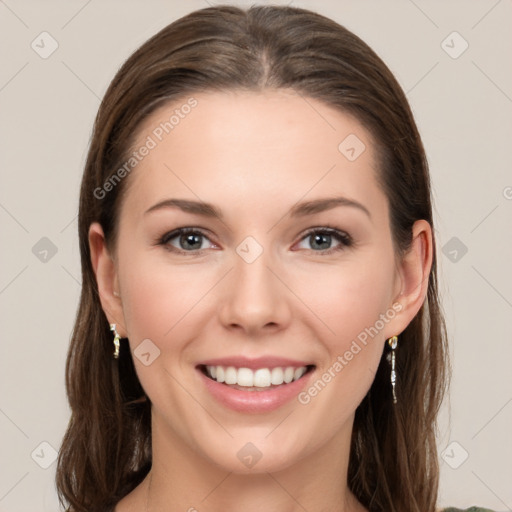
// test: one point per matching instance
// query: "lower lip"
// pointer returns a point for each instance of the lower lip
(255, 401)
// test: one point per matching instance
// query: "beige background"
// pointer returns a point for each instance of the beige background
(463, 107)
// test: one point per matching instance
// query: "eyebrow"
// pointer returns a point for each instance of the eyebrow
(298, 210)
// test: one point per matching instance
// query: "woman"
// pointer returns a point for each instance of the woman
(259, 325)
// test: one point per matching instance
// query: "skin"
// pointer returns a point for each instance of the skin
(254, 156)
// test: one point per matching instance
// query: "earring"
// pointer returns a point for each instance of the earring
(116, 340)
(393, 343)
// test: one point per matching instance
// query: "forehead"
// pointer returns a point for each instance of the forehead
(245, 147)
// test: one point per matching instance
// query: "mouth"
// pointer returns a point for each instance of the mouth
(255, 379)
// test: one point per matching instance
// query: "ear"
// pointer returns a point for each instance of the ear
(106, 277)
(413, 273)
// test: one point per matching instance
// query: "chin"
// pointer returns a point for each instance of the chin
(252, 458)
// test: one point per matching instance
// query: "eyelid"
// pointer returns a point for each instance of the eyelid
(184, 231)
(166, 237)
(326, 229)
(344, 239)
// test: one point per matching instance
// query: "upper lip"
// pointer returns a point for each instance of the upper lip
(255, 363)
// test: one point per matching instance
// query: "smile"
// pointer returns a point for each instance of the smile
(259, 379)
(254, 385)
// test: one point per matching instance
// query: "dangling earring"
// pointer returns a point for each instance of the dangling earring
(393, 343)
(116, 340)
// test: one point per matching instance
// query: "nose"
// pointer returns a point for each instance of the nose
(254, 299)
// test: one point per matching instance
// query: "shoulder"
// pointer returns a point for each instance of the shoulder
(470, 509)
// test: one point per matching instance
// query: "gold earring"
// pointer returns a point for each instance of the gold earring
(393, 343)
(116, 340)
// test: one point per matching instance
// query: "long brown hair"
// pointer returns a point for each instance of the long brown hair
(106, 451)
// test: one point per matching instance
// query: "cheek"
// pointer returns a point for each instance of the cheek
(165, 305)
(159, 299)
(348, 298)
(349, 304)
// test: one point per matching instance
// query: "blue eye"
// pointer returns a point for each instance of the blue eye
(321, 240)
(185, 240)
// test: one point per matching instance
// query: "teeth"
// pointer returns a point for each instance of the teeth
(260, 378)
(288, 374)
(231, 375)
(299, 372)
(245, 377)
(277, 376)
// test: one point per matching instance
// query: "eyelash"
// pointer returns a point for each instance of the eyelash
(344, 239)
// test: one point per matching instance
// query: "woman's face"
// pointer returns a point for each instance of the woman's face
(287, 262)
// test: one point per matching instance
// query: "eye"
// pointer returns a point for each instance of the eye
(322, 239)
(185, 240)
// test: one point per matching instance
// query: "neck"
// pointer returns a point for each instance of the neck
(183, 480)
(253, 497)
